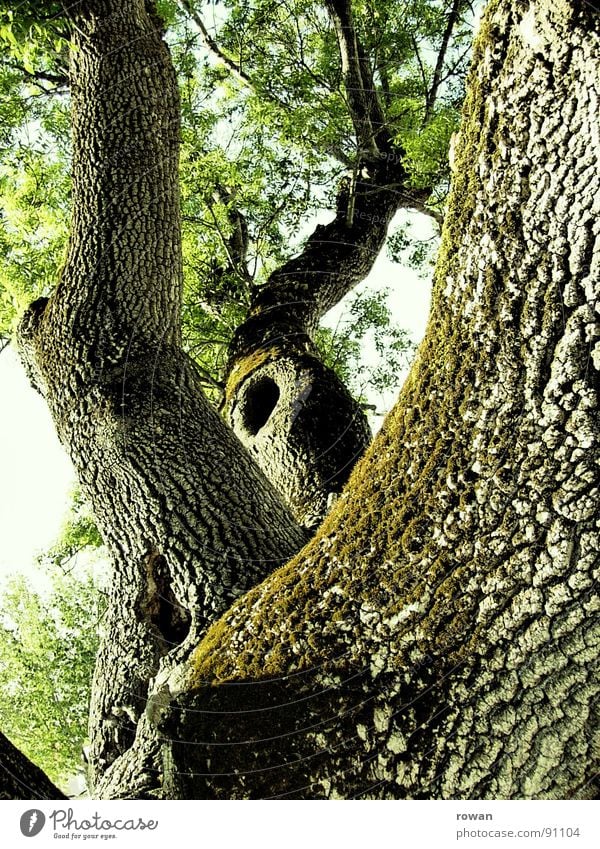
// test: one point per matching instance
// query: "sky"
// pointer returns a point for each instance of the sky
(35, 471)
(36, 474)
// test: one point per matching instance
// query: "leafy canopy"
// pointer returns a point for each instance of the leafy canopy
(48, 645)
(266, 135)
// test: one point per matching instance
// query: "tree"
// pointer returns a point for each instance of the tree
(438, 635)
(239, 203)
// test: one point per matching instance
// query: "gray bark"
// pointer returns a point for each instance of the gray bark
(363, 103)
(189, 519)
(274, 367)
(439, 637)
(292, 412)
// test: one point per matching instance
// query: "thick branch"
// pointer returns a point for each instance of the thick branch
(335, 258)
(188, 517)
(22, 779)
(439, 637)
(293, 413)
(125, 240)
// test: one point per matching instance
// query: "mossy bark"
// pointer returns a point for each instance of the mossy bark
(439, 637)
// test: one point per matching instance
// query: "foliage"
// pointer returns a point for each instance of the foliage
(35, 39)
(413, 249)
(48, 644)
(34, 188)
(366, 323)
(78, 534)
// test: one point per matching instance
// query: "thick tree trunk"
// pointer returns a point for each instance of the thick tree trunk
(21, 779)
(439, 637)
(190, 520)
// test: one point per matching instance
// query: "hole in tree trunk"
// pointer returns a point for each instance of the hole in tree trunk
(260, 401)
(162, 608)
(173, 620)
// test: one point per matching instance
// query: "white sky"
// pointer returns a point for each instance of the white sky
(36, 473)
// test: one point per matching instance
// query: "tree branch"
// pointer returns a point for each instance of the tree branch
(244, 78)
(109, 340)
(236, 244)
(420, 64)
(22, 779)
(125, 174)
(335, 258)
(59, 80)
(439, 66)
(214, 48)
(363, 104)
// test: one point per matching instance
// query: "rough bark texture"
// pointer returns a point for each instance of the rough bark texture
(439, 637)
(363, 102)
(303, 427)
(190, 520)
(21, 779)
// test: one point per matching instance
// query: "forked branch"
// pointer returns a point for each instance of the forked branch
(441, 59)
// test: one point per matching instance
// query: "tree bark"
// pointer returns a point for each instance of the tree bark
(189, 519)
(439, 636)
(363, 103)
(20, 778)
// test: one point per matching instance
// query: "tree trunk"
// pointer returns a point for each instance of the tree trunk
(439, 636)
(20, 779)
(189, 519)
